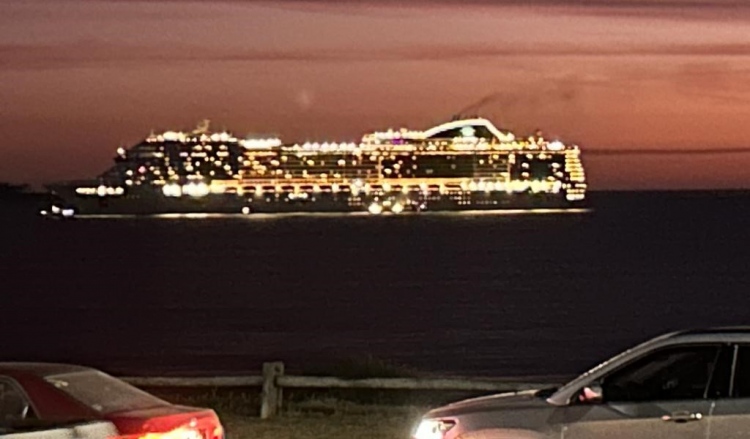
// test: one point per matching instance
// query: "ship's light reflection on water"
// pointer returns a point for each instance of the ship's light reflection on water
(546, 211)
(257, 216)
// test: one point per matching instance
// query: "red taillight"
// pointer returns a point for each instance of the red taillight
(207, 427)
(180, 433)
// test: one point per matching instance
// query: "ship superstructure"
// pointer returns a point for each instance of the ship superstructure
(459, 165)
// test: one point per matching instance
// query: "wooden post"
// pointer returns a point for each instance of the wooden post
(271, 394)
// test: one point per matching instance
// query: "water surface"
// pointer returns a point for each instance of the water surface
(468, 294)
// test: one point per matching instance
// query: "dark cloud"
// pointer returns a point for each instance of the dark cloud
(670, 151)
(727, 84)
(88, 73)
(606, 3)
(23, 56)
(678, 9)
(696, 10)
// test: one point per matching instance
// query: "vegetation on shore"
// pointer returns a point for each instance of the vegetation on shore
(321, 413)
(375, 423)
(303, 417)
(311, 418)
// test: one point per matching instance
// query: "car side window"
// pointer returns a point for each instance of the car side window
(741, 384)
(718, 386)
(14, 406)
(672, 373)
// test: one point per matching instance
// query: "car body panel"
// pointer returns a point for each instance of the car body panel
(87, 430)
(517, 412)
(730, 420)
(635, 420)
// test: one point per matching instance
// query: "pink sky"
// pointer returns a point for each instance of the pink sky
(78, 78)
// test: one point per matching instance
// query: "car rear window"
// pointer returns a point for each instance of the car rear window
(104, 393)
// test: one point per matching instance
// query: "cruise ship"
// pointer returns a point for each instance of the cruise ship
(463, 164)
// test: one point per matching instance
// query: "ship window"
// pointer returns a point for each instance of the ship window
(476, 131)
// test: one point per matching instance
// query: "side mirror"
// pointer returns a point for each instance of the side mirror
(593, 393)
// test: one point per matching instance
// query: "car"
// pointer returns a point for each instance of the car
(686, 384)
(63, 394)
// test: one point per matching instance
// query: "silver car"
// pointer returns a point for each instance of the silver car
(690, 384)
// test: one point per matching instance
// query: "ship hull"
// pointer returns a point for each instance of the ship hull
(150, 201)
(144, 201)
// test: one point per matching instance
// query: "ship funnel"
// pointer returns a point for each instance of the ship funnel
(202, 127)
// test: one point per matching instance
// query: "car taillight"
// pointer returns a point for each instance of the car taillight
(179, 433)
(196, 429)
(218, 432)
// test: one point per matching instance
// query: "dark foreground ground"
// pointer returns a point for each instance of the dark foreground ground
(321, 414)
(368, 423)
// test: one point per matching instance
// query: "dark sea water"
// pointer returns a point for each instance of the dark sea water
(465, 294)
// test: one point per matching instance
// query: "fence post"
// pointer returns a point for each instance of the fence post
(271, 394)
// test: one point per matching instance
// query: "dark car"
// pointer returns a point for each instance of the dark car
(61, 393)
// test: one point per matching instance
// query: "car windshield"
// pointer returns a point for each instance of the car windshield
(104, 393)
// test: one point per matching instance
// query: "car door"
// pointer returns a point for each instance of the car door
(730, 418)
(662, 394)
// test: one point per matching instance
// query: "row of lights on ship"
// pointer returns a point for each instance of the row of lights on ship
(200, 188)
(375, 208)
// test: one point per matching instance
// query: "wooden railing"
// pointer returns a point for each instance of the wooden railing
(273, 381)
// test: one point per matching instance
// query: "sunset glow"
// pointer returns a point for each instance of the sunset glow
(82, 77)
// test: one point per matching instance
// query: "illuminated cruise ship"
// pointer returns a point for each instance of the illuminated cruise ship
(466, 164)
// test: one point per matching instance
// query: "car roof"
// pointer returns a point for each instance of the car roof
(727, 334)
(726, 330)
(41, 369)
